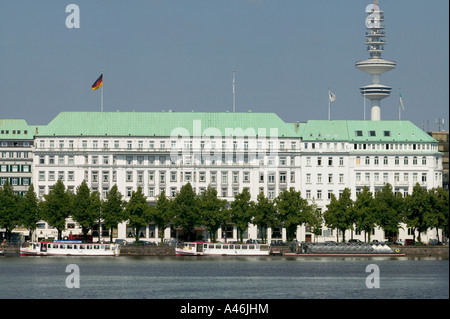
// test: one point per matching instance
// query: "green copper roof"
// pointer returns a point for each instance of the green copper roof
(226, 124)
(15, 130)
(364, 131)
(167, 124)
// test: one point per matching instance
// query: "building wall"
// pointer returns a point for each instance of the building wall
(316, 166)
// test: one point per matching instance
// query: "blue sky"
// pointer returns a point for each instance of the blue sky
(180, 55)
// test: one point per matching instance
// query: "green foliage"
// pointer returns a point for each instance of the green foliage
(113, 209)
(365, 213)
(137, 212)
(58, 206)
(212, 210)
(293, 211)
(162, 214)
(241, 212)
(86, 208)
(8, 209)
(29, 210)
(389, 210)
(185, 209)
(264, 214)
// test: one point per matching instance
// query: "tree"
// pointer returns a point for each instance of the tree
(241, 212)
(417, 207)
(316, 220)
(388, 210)
(57, 207)
(364, 208)
(137, 212)
(185, 210)
(340, 213)
(440, 209)
(293, 211)
(113, 210)
(330, 216)
(86, 208)
(162, 214)
(8, 209)
(212, 211)
(29, 210)
(264, 215)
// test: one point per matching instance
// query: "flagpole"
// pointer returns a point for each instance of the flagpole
(364, 97)
(329, 102)
(234, 91)
(101, 96)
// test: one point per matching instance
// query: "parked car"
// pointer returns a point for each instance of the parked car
(435, 242)
(354, 241)
(399, 242)
(409, 242)
(122, 242)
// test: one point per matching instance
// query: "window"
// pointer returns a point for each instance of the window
(151, 177)
(319, 161)
(359, 133)
(387, 133)
(330, 178)
(283, 178)
(224, 177)
(330, 161)
(385, 160)
(173, 176)
(129, 176)
(319, 194)
(372, 133)
(319, 178)
(308, 178)
(397, 160)
(271, 178)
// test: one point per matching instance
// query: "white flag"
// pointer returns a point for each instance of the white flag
(401, 102)
(332, 96)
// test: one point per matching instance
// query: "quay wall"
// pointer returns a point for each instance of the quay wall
(147, 250)
(410, 251)
(423, 251)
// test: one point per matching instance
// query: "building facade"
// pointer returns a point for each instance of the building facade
(232, 151)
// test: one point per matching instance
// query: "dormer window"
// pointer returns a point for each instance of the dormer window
(359, 133)
(387, 133)
(372, 133)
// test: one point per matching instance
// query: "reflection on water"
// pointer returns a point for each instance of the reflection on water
(224, 277)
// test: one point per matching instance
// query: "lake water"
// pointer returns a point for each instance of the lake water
(223, 278)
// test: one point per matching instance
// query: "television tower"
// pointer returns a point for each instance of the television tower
(375, 65)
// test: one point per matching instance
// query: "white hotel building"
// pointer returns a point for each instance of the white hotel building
(232, 151)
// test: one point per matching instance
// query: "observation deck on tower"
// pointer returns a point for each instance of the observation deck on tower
(375, 65)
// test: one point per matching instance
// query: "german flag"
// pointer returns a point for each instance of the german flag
(98, 83)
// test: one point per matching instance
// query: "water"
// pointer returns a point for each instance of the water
(223, 278)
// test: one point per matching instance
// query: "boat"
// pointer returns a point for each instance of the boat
(2, 253)
(221, 249)
(69, 248)
(346, 250)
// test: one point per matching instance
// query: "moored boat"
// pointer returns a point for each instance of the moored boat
(221, 249)
(346, 250)
(69, 248)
